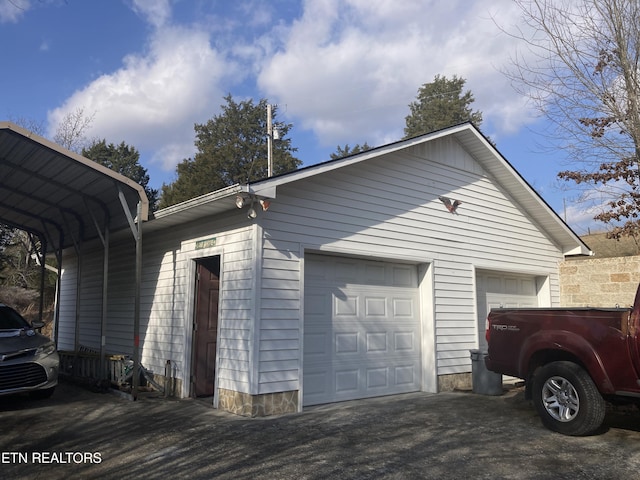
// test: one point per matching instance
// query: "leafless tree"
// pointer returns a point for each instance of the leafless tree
(580, 69)
(30, 124)
(71, 131)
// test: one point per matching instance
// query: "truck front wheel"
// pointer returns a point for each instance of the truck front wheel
(567, 400)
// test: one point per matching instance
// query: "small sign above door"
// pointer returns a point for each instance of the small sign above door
(206, 243)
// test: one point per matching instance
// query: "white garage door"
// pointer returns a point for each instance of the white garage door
(361, 329)
(503, 290)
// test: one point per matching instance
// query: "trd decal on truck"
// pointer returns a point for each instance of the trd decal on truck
(506, 328)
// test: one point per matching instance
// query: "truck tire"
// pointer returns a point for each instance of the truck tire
(567, 400)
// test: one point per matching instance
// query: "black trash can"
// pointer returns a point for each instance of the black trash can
(484, 382)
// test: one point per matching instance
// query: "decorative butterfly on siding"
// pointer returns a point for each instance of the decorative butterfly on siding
(452, 205)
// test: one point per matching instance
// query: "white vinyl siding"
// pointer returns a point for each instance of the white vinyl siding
(91, 304)
(166, 298)
(280, 318)
(388, 208)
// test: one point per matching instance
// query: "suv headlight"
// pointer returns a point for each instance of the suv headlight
(46, 349)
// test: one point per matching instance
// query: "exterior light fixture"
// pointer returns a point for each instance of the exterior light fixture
(251, 213)
(264, 204)
(239, 201)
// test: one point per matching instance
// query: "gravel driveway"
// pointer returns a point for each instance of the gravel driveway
(80, 434)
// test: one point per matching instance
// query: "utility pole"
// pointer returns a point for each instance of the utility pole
(269, 142)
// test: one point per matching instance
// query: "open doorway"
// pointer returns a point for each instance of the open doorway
(205, 326)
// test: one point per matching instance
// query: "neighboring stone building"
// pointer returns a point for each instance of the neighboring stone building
(610, 277)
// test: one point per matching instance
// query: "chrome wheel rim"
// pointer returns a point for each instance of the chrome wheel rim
(560, 399)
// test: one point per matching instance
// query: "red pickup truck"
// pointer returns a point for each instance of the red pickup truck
(572, 360)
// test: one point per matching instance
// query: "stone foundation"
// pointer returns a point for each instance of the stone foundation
(455, 381)
(258, 405)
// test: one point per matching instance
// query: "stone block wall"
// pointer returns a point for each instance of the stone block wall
(599, 282)
(257, 405)
(454, 381)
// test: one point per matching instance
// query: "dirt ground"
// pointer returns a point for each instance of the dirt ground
(80, 434)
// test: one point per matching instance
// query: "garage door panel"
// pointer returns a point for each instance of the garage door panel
(317, 304)
(346, 343)
(361, 335)
(404, 307)
(346, 306)
(349, 340)
(317, 344)
(347, 383)
(404, 276)
(405, 341)
(316, 383)
(345, 271)
(377, 378)
(377, 342)
(375, 307)
(507, 290)
(374, 275)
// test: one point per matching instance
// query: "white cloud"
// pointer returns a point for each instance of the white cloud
(349, 69)
(344, 69)
(580, 218)
(153, 101)
(155, 12)
(12, 10)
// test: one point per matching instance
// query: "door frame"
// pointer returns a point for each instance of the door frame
(191, 259)
(192, 381)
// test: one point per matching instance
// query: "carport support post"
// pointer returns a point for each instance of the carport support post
(135, 385)
(103, 322)
(56, 317)
(43, 271)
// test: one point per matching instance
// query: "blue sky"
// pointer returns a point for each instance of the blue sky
(342, 71)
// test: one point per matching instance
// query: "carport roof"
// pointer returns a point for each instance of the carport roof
(60, 195)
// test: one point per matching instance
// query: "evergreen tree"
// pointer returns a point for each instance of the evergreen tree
(347, 150)
(440, 104)
(125, 160)
(231, 148)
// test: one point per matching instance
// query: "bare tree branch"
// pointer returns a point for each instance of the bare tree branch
(70, 133)
(580, 69)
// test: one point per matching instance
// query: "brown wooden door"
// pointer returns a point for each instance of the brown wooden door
(206, 328)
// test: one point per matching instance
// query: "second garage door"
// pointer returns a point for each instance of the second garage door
(361, 329)
(507, 290)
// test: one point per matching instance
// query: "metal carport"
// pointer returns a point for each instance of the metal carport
(67, 200)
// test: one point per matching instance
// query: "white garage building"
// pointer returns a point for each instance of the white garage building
(352, 278)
